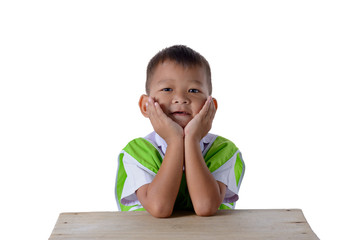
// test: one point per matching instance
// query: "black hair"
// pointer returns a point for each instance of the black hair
(182, 55)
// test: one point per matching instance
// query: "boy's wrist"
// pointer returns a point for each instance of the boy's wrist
(178, 140)
(190, 138)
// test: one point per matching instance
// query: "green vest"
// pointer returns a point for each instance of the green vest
(150, 157)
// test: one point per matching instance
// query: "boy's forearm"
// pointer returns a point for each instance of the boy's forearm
(160, 195)
(205, 192)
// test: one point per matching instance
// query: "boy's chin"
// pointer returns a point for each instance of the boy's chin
(182, 124)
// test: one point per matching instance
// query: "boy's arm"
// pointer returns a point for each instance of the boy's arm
(158, 197)
(206, 193)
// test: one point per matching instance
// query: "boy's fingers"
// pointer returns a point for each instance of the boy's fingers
(159, 112)
(149, 107)
(152, 109)
(158, 108)
(211, 106)
(209, 110)
(212, 109)
(205, 109)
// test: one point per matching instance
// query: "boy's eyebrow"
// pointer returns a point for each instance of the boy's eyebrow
(166, 80)
(197, 81)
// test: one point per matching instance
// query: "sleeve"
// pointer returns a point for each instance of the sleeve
(225, 162)
(139, 162)
(137, 176)
(231, 174)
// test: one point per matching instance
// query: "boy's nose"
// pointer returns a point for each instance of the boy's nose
(181, 99)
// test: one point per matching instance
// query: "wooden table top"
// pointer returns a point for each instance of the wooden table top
(235, 224)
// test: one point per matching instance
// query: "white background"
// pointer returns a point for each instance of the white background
(285, 74)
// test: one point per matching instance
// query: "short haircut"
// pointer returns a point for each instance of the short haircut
(180, 54)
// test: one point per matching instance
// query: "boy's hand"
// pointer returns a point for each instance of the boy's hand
(162, 124)
(200, 125)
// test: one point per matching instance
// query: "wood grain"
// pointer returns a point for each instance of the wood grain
(235, 224)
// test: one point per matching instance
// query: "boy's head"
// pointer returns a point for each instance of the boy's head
(179, 79)
(182, 55)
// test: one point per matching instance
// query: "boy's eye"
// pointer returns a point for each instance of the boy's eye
(193, 91)
(166, 89)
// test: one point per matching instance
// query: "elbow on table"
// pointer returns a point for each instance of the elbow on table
(205, 209)
(160, 211)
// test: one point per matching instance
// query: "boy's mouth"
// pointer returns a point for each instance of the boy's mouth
(180, 113)
(181, 117)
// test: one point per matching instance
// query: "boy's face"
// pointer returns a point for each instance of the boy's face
(180, 91)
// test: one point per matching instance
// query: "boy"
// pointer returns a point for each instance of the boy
(180, 165)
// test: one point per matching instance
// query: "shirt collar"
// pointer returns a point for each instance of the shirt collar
(162, 145)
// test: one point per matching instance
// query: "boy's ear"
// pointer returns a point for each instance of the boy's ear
(142, 104)
(215, 103)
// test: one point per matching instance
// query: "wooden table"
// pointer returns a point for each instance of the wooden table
(226, 224)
